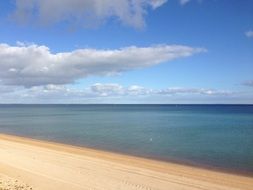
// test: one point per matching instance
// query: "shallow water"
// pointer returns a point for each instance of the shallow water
(217, 136)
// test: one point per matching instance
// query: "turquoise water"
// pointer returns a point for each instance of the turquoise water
(216, 136)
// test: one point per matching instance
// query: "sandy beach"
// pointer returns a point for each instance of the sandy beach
(32, 164)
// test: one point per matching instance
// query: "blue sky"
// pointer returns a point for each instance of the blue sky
(143, 51)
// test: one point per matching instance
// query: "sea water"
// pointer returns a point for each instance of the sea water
(216, 136)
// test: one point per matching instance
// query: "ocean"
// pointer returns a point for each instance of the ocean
(213, 136)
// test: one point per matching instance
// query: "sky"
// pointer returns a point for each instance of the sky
(126, 51)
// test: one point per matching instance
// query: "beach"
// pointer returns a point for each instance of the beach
(34, 164)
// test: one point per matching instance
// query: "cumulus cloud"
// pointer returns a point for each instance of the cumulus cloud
(249, 34)
(33, 65)
(85, 12)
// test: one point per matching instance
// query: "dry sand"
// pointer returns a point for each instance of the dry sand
(33, 164)
(7, 183)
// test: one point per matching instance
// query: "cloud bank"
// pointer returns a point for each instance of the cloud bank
(85, 12)
(34, 65)
(99, 92)
(114, 89)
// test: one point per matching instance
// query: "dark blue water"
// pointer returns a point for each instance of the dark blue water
(216, 136)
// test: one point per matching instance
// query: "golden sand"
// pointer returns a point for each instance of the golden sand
(45, 166)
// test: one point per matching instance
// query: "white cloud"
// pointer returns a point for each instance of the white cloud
(157, 3)
(98, 90)
(85, 12)
(117, 93)
(249, 34)
(136, 90)
(183, 2)
(133, 90)
(33, 65)
(201, 91)
(107, 89)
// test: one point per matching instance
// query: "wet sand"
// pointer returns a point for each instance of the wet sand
(28, 163)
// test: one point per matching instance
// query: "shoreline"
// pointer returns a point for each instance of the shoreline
(135, 156)
(163, 174)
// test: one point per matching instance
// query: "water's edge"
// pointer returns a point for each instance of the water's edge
(190, 164)
(215, 137)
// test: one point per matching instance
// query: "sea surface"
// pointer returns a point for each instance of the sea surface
(213, 136)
